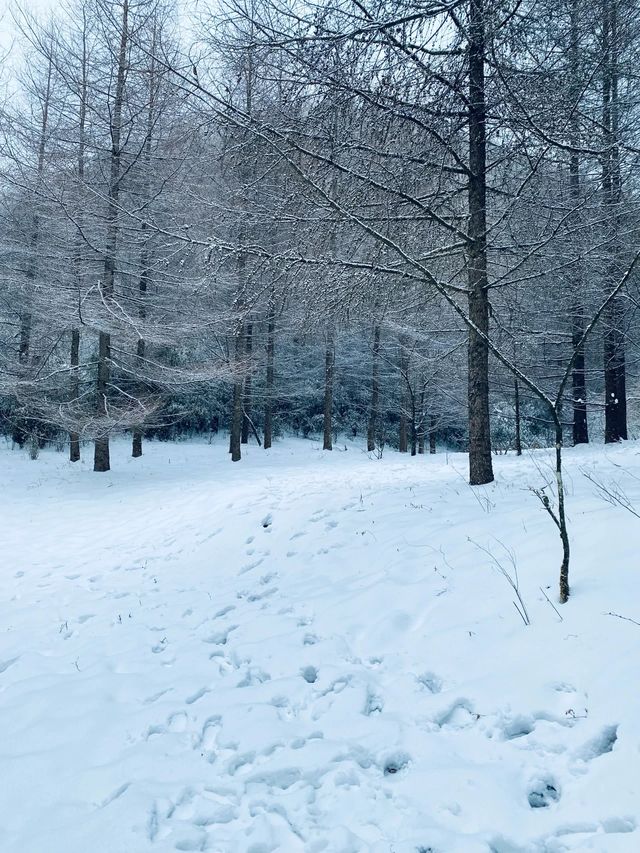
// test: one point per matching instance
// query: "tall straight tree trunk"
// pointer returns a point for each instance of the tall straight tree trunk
(432, 434)
(246, 396)
(74, 438)
(235, 435)
(414, 429)
(270, 383)
(136, 444)
(578, 375)
(614, 345)
(145, 272)
(516, 399)
(329, 373)
(101, 460)
(26, 316)
(480, 463)
(372, 426)
(403, 442)
(422, 422)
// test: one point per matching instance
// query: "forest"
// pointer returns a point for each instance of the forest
(416, 224)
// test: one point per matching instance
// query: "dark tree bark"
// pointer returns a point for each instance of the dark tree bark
(414, 428)
(74, 438)
(136, 444)
(372, 426)
(480, 463)
(235, 432)
(329, 373)
(20, 429)
(516, 399)
(101, 461)
(578, 375)
(246, 397)
(614, 344)
(432, 435)
(403, 433)
(269, 389)
(237, 414)
(143, 284)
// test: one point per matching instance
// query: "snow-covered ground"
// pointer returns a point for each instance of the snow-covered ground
(312, 652)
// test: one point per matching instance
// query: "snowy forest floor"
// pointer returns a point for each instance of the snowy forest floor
(311, 651)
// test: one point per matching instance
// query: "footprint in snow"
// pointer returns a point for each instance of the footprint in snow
(543, 793)
(395, 763)
(4, 665)
(177, 722)
(310, 674)
(430, 681)
(154, 697)
(249, 566)
(599, 745)
(190, 700)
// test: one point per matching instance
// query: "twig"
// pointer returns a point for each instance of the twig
(552, 604)
(626, 618)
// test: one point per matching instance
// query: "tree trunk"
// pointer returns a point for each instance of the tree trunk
(372, 426)
(235, 436)
(101, 447)
(74, 438)
(614, 345)
(329, 372)
(246, 398)
(578, 375)
(414, 431)
(516, 397)
(269, 390)
(403, 442)
(26, 319)
(101, 461)
(480, 463)
(136, 444)
(562, 521)
(432, 435)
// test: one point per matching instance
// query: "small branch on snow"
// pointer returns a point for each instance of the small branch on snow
(625, 618)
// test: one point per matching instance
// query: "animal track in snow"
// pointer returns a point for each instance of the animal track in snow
(154, 698)
(458, 715)
(394, 763)
(599, 745)
(219, 638)
(190, 700)
(252, 565)
(429, 681)
(543, 793)
(310, 674)
(4, 665)
(224, 611)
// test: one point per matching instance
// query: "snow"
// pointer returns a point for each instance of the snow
(314, 652)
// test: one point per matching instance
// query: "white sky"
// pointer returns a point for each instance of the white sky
(7, 28)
